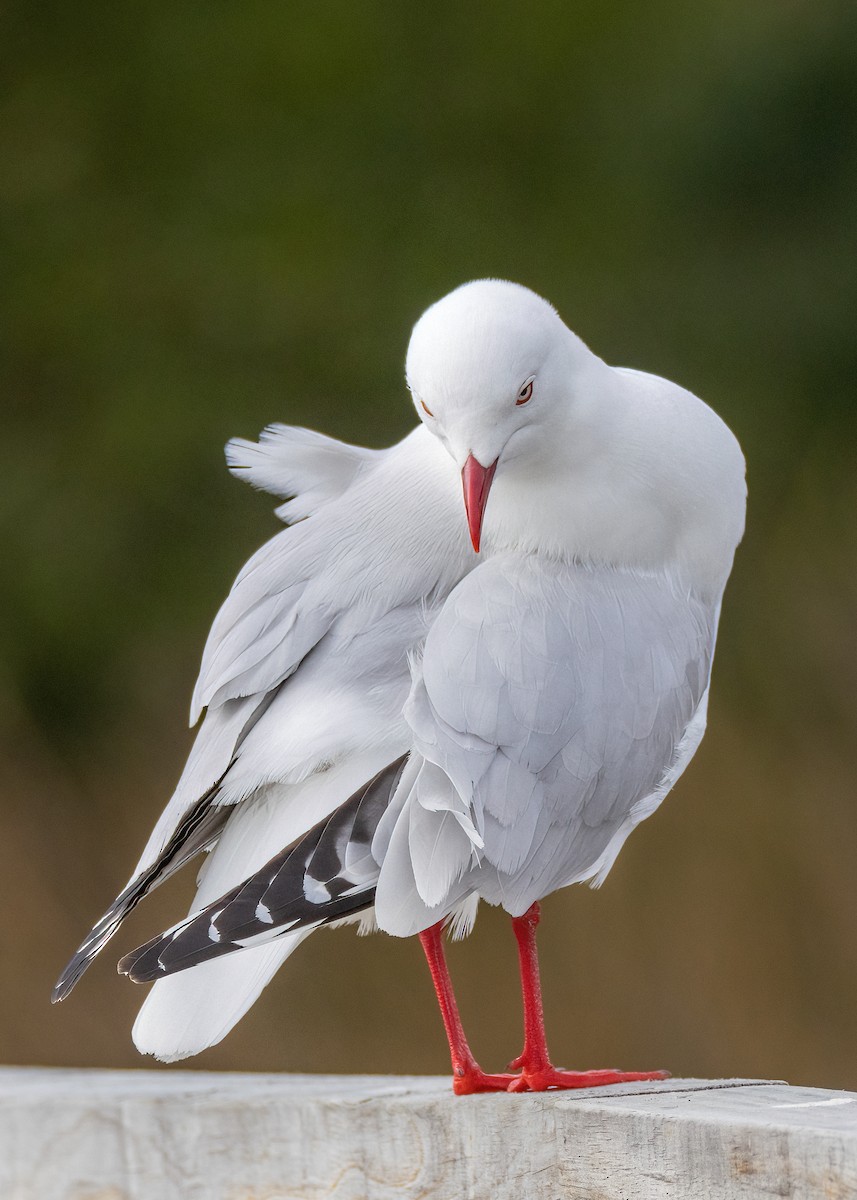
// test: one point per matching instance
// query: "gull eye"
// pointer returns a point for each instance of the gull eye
(525, 394)
(426, 408)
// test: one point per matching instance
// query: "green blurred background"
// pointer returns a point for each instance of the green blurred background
(218, 215)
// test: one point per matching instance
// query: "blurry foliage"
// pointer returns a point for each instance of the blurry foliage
(219, 215)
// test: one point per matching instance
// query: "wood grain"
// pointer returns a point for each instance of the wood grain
(152, 1135)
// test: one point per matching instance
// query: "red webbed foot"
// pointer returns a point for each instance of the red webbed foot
(541, 1079)
(468, 1081)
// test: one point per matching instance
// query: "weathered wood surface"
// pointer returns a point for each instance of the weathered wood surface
(150, 1135)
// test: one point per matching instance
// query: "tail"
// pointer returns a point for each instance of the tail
(326, 875)
(186, 1013)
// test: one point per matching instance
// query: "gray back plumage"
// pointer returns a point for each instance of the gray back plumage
(555, 698)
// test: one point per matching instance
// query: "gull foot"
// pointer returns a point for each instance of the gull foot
(467, 1081)
(542, 1078)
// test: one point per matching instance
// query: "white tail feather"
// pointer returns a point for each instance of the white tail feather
(188, 1012)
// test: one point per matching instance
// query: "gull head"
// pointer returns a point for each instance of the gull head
(491, 369)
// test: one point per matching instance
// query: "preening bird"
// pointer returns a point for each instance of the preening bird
(411, 705)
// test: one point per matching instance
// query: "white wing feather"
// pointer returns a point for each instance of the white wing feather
(307, 467)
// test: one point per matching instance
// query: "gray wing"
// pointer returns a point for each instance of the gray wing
(268, 622)
(310, 648)
(557, 704)
(320, 596)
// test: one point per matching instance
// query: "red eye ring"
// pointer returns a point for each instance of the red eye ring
(426, 408)
(525, 394)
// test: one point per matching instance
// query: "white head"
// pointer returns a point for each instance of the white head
(491, 367)
(593, 463)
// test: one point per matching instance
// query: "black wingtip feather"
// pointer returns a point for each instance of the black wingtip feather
(201, 826)
(96, 940)
(280, 887)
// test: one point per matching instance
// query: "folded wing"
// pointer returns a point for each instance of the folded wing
(306, 663)
(560, 702)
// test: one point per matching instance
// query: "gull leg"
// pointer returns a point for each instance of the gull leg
(467, 1075)
(537, 1071)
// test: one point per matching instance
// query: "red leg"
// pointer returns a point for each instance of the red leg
(467, 1075)
(537, 1072)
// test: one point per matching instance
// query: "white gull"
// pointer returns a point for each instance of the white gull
(396, 728)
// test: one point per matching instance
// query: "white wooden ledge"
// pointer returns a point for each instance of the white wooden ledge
(150, 1135)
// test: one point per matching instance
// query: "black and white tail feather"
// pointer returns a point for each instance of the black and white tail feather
(327, 875)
